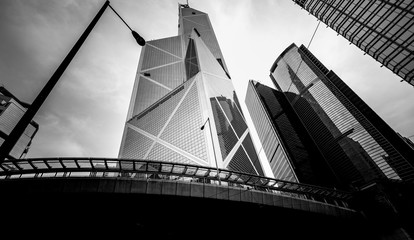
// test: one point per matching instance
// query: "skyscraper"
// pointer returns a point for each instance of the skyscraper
(355, 142)
(291, 152)
(382, 29)
(11, 110)
(183, 83)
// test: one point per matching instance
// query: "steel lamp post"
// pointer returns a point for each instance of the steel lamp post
(214, 151)
(21, 126)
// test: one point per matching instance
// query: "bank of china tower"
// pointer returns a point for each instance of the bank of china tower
(183, 83)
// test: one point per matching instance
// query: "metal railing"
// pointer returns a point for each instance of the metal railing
(131, 168)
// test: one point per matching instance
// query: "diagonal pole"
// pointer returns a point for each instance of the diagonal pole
(21, 126)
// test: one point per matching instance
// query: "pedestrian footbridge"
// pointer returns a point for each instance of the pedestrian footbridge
(124, 197)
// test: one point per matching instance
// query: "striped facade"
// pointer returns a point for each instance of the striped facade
(382, 29)
(292, 153)
(275, 152)
(356, 142)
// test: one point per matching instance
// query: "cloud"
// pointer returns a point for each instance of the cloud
(36, 35)
(46, 144)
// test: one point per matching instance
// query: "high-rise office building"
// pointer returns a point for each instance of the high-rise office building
(382, 29)
(182, 84)
(290, 150)
(355, 142)
(11, 110)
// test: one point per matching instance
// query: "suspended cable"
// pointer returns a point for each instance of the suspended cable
(316, 29)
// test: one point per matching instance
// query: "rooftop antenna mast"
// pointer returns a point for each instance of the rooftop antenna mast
(184, 5)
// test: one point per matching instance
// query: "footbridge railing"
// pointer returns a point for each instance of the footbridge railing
(134, 168)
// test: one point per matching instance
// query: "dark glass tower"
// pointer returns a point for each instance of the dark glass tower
(382, 29)
(182, 83)
(355, 142)
(291, 152)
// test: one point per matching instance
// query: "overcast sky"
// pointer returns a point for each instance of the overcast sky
(85, 114)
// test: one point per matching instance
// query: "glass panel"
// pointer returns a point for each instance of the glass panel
(191, 62)
(147, 94)
(233, 115)
(251, 151)
(183, 130)
(154, 57)
(240, 162)
(153, 119)
(170, 76)
(136, 145)
(226, 136)
(171, 45)
(162, 153)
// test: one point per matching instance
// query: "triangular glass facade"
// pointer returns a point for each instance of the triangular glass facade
(156, 58)
(169, 76)
(192, 88)
(191, 62)
(183, 130)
